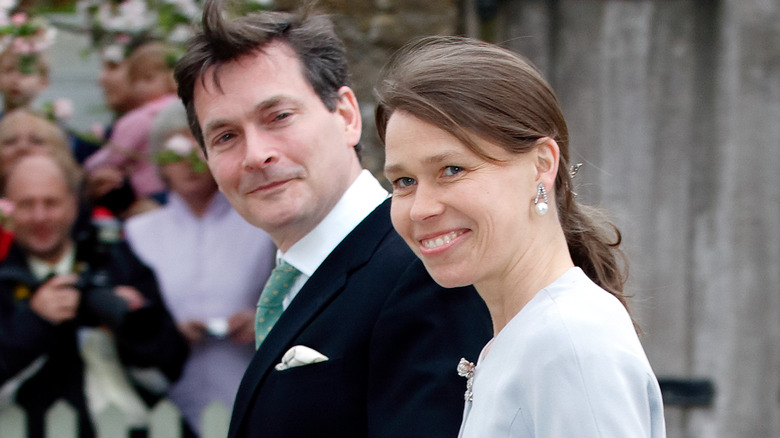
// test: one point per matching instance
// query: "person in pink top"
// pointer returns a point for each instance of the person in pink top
(126, 154)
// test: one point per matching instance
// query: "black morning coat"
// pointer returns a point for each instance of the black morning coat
(393, 339)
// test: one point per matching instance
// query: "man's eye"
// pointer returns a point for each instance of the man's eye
(224, 138)
(452, 170)
(282, 116)
(403, 182)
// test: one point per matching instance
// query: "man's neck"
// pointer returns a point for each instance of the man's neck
(284, 240)
(363, 196)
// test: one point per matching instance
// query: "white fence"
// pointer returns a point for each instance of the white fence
(165, 422)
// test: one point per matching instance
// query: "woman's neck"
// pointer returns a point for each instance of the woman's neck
(507, 292)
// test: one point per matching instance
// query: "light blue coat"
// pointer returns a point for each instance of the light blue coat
(569, 364)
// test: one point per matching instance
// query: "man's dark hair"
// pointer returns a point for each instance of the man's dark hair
(311, 36)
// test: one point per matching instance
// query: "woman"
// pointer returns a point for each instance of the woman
(477, 152)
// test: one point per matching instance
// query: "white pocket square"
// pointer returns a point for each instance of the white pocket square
(300, 355)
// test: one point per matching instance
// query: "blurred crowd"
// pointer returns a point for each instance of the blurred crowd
(125, 275)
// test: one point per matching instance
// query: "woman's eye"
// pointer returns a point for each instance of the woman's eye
(403, 182)
(452, 170)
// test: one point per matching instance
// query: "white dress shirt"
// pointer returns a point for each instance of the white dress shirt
(569, 364)
(307, 254)
(208, 268)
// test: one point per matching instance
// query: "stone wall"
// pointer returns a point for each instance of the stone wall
(372, 31)
(674, 107)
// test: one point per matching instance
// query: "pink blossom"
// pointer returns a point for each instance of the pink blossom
(19, 18)
(63, 109)
(180, 145)
(23, 46)
(123, 38)
(98, 130)
(6, 207)
(44, 39)
(114, 53)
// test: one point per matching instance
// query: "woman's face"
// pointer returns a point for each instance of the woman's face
(189, 183)
(186, 181)
(468, 219)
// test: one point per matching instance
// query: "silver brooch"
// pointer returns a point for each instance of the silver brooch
(466, 369)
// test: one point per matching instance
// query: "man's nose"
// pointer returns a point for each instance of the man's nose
(260, 150)
(39, 212)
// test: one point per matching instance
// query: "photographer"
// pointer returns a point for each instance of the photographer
(79, 321)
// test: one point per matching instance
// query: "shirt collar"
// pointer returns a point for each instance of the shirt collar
(360, 199)
(41, 269)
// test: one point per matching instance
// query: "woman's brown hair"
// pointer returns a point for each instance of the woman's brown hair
(468, 87)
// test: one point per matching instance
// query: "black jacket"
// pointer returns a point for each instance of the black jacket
(393, 339)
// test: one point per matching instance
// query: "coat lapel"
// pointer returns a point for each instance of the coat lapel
(324, 285)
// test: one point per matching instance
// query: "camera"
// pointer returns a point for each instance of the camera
(99, 304)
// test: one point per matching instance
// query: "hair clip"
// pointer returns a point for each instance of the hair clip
(574, 169)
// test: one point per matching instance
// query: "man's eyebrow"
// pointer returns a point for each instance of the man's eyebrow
(213, 125)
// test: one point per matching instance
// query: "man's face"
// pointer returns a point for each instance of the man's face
(279, 156)
(44, 209)
(21, 134)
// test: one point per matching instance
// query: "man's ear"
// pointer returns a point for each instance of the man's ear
(548, 155)
(347, 107)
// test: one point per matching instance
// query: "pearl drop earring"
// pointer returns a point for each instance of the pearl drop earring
(541, 207)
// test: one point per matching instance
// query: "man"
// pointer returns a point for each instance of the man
(79, 321)
(368, 344)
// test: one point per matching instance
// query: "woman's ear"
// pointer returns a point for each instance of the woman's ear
(548, 156)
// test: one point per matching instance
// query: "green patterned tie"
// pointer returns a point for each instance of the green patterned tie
(269, 307)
